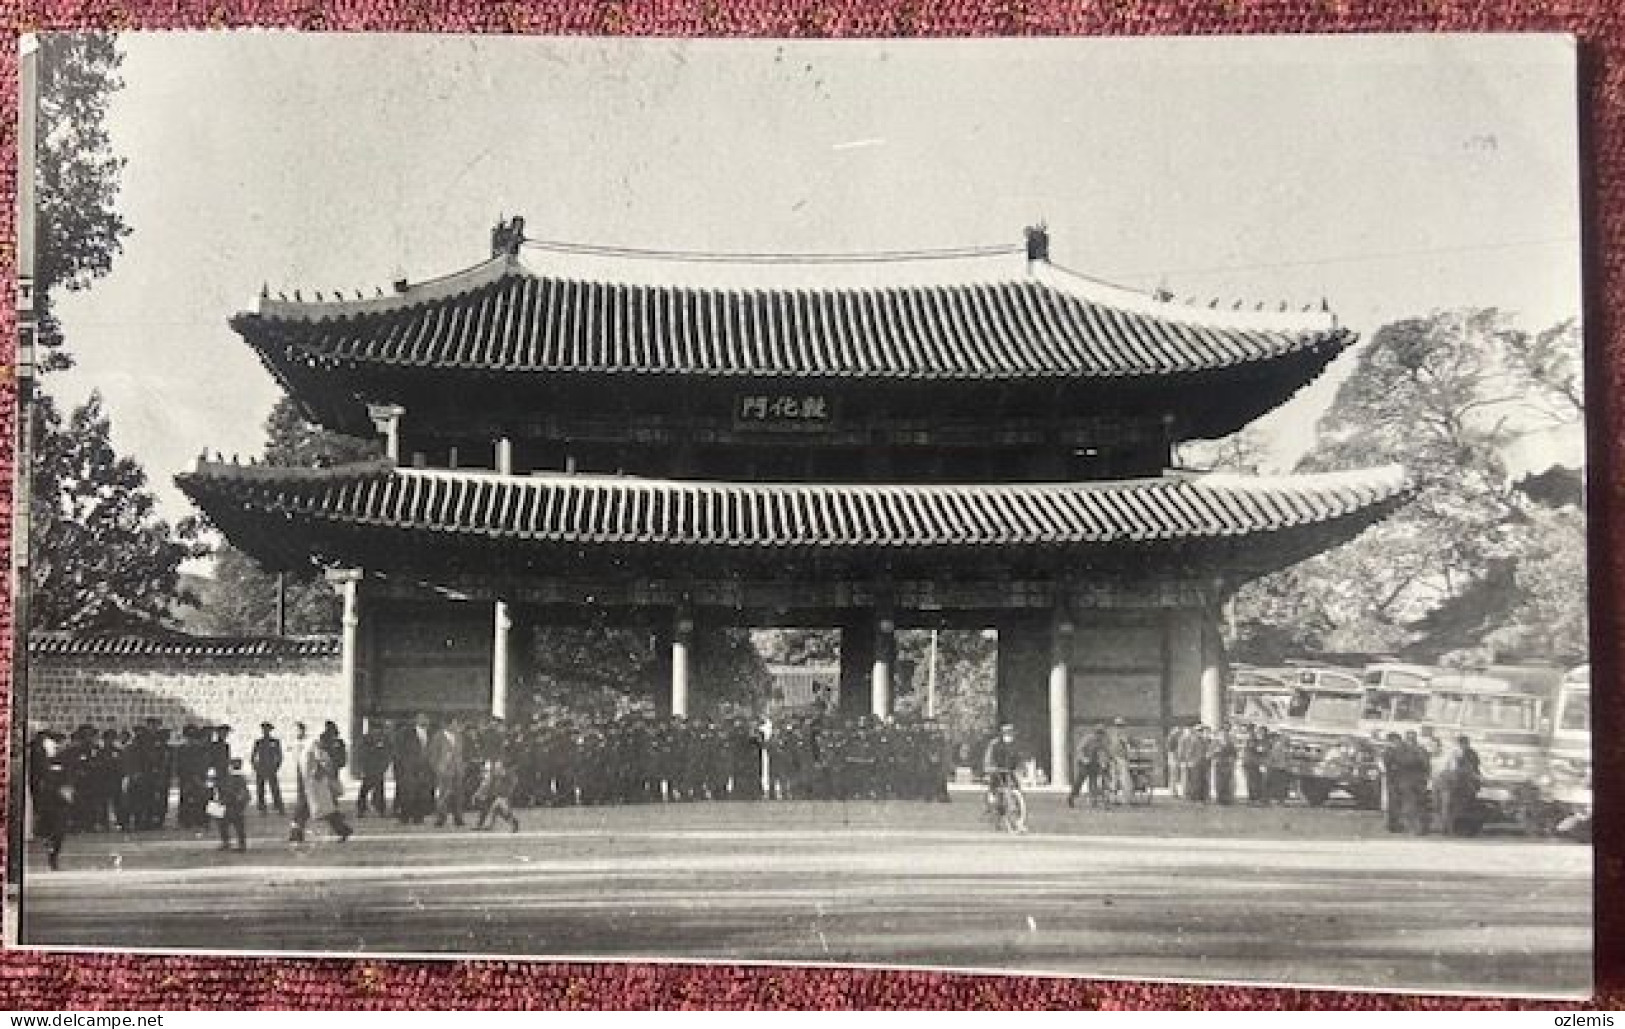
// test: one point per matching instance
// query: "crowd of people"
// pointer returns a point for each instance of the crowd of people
(89, 781)
(565, 762)
(1428, 785)
(415, 769)
(1202, 764)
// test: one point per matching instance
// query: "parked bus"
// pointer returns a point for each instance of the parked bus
(1396, 698)
(1566, 786)
(1503, 722)
(1259, 696)
(1328, 751)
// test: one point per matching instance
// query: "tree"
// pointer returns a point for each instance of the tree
(100, 558)
(293, 442)
(80, 230)
(1548, 612)
(799, 646)
(243, 597)
(602, 671)
(967, 669)
(240, 599)
(1444, 396)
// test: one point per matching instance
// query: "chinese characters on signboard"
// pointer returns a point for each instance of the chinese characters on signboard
(783, 411)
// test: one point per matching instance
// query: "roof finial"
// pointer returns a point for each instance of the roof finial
(1038, 243)
(507, 236)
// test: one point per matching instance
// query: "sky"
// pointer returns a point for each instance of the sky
(1390, 176)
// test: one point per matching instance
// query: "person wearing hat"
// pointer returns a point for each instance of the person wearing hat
(228, 803)
(1000, 761)
(266, 758)
(1119, 771)
(53, 795)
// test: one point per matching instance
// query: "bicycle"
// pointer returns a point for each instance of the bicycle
(1006, 805)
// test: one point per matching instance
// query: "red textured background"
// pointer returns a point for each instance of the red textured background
(39, 981)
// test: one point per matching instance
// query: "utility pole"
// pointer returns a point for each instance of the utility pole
(281, 604)
(931, 678)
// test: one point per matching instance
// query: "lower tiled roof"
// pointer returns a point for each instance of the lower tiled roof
(578, 509)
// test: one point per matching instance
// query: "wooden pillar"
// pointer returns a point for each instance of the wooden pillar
(1023, 664)
(857, 667)
(1213, 673)
(386, 418)
(501, 660)
(682, 646)
(885, 658)
(1060, 702)
(348, 581)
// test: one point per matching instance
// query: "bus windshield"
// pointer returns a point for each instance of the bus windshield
(1258, 707)
(1383, 706)
(1508, 714)
(1576, 711)
(1326, 707)
(1444, 708)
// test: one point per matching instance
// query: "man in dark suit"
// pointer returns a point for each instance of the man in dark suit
(53, 794)
(414, 780)
(448, 759)
(266, 758)
(372, 764)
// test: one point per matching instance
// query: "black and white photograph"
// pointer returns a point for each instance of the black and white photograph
(1082, 507)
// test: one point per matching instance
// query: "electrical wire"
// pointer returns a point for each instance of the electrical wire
(776, 257)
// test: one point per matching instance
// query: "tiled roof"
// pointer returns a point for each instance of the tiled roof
(70, 644)
(502, 317)
(576, 509)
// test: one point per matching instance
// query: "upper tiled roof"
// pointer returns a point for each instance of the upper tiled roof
(575, 509)
(502, 317)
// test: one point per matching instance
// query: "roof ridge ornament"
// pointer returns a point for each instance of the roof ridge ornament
(1038, 243)
(507, 236)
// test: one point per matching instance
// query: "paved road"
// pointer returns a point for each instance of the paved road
(1110, 895)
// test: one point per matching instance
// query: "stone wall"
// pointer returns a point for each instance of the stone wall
(118, 691)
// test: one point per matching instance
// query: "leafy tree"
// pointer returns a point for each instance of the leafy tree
(80, 230)
(1548, 612)
(243, 597)
(967, 671)
(240, 599)
(1243, 452)
(1445, 396)
(100, 558)
(601, 671)
(293, 442)
(799, 646)
(593, 673)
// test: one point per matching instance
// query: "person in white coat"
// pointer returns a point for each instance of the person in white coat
(319, 791)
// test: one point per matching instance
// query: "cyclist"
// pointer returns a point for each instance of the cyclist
(1003, 788)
